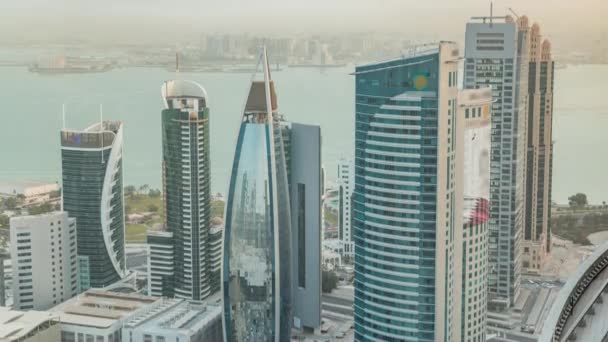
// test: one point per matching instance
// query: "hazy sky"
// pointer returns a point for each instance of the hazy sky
(116, 20)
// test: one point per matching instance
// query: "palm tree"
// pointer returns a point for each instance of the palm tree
(144, 189)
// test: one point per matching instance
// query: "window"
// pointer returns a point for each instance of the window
(301, 235)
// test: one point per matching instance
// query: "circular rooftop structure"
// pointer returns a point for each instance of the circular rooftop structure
(580, 311)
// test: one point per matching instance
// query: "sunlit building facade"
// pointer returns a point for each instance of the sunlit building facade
(256, 269)
(539, 154)
(496, 55)
(408, 198)
(475, 107)
(92, 189)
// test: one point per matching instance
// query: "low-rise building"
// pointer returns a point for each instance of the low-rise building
(176, 320)
(30, 326)
(216, 233)
(44, 260)
(99, 315)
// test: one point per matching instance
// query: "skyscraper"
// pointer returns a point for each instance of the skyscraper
(539, 154)
(346, 186)
(93, 194)
(408, 198)
(256, 269)
(496, 55)
(474, 107)
(43, 254)
(187, 195)
(302, 146)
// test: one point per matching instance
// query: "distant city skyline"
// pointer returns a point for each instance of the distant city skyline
(124, 22)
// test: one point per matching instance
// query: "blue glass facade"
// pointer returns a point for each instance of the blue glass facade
(256, 271)
(404, 183)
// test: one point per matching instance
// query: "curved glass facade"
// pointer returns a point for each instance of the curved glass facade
(256, 272)
(92, 193)
(406, 230)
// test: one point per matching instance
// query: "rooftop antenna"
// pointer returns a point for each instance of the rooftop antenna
(267, 84)
(491, 11)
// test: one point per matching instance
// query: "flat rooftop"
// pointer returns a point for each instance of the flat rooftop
(16, 324)
(186, 316)
(101, 309)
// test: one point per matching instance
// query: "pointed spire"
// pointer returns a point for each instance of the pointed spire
(267, 83)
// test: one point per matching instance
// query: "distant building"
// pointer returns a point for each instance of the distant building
(176, 320)
(539, 154)
(496, 55)
(408, 198)
(45, 267)
(475, 108)
(30, 326)
(99, 316)
(346, 184)
(33, 192)
(187, 193)
(93, 194)
(581, 307)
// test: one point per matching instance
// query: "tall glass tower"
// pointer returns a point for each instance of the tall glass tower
(496, 55)
(91, 162)
(256, 270)
(408, 198)
(184, 271)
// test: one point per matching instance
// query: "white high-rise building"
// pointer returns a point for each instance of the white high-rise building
(474, 107)
(45, 267)
(346, 184)
(496, 55)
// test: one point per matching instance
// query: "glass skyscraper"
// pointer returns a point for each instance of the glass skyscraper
(91, 163)
(185, 271)
(496, 55)
(256, 270)
(408, 198)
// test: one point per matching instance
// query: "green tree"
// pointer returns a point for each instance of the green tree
(41, 209)
(154, 193)
(329, 281)
(153, 208)
(577, 201)
(56, 194)
(144, 189)
(11, 203)
(4, 221)
(130, 190)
